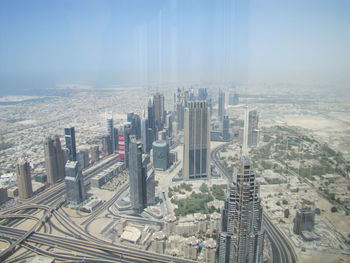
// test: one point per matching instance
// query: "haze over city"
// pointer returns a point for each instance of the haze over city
(175, 131)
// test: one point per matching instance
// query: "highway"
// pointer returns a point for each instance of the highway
(282, 250)
(79, 244)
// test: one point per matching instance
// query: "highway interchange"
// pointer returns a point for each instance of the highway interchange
(75, 243)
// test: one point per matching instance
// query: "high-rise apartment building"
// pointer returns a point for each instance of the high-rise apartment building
(196, 141)
(221, 105)
(75, 190)
(54, 159)
(69, 135)
(24, 180)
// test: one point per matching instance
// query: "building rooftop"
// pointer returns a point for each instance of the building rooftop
(159, 235)
(131, 234)
(210, 243)
(192, 241)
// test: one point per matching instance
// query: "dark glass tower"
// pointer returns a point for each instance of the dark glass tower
(137, 176)
(69, 135)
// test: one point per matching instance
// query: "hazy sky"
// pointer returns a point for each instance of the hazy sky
(150, 41)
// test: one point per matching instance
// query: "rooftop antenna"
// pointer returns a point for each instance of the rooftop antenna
(245, 132)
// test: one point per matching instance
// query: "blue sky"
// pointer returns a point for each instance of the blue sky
(103, 43)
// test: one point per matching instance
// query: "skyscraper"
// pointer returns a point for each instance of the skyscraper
(123, 142)
(24, 180)
(241, 237)
(135, 122)
(151, 131)
(144, 132)
(253, 128)
(181, 103)
(202, 94)
(221, 105)
(69, 135)
(112, 133)
(95, 153)
(137, 176)
(226, 128)
(159, 113)
(74, 183)
(107, 145)
(196, 141)
(54, 159)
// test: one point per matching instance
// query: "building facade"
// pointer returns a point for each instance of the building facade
(24, 180)
(69, 135)
(54, 159)
(196, 141)
(221, 105)
(160, 155)
(75, 191)
(137, 176)
(241, 238)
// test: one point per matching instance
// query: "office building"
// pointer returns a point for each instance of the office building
(24, 180)
(144, 127)
(83, 159)
(304, 221)
(226, 128)
(75, 191)
(182, 97)
(151, 127)
(202, 94)
(69, 135)
(123, 142)
(160, 155)
(95, 153)
(253, 129)
(107, 145)
(112, 132)
(3, 195)
(221, 105)
(137, 176)
(234, 99)
(196, 141)
(150, 187)
(54, 159)
(241, 238)
(135, 122)
(159, 112)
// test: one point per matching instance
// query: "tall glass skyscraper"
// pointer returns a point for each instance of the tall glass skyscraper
(69, 135)
(54, 159)
(196, 141)
(221, 105)
(137, 176)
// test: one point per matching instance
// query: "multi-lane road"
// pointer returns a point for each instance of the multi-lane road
(282, 250)
(74, 239)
